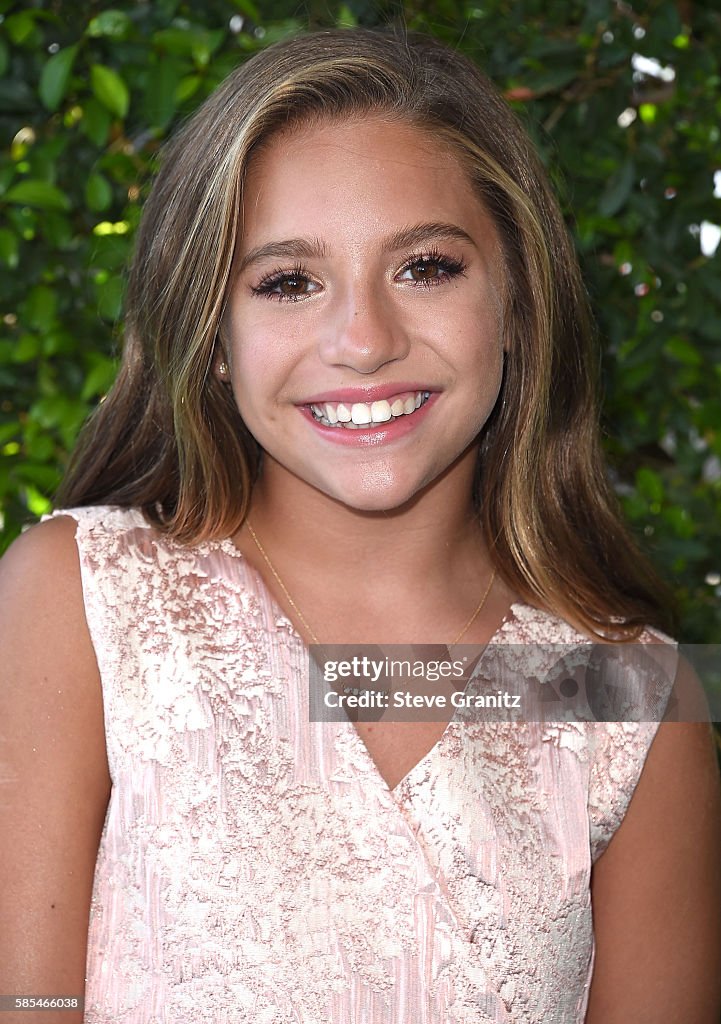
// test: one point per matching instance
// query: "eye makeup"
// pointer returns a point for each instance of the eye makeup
(290, 285)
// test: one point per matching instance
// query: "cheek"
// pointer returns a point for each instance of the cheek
(473, 341)
(254, 363)
(265, 342)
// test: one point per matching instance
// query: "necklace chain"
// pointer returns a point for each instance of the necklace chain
(281, 584)
(302, 618)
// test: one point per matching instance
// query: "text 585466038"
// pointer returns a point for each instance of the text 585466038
(33, 1002)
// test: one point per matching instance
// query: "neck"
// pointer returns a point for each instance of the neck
(417, 543)
(413, 574)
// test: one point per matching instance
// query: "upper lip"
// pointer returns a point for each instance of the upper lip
(368, 393)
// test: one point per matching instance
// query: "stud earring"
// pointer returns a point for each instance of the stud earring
(223, 369)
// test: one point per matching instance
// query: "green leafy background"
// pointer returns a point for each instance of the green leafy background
(88, 92)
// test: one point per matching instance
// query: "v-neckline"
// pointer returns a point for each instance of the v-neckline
(395, 791)
(279, 616)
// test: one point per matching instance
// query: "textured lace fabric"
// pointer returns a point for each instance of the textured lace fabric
(254, 866)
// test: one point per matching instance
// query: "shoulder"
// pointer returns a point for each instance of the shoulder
(43, 613)
(533, 623)
(40, 568)
(53, 585)
(612, 695)
(621, 682)
(110, 541)
(98, 521)
(46, 559)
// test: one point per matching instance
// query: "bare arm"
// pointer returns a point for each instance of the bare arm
(54, 782)
(656, 891)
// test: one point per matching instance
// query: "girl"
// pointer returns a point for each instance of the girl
(356, 406)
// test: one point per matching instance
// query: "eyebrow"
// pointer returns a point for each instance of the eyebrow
(314, 248)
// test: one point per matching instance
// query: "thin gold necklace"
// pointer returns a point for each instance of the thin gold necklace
(302, 618)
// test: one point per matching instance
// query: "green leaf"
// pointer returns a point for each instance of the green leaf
(39, 447)
(110, 89)
(345, 18)
(4, 57)
(20, 27)
(248, 8)
(99, 378)
(205, 44)
(57, 229)
(95, 122)
(98, 193)
(40, 307)
(9, 247)
(193, 41)
(6, 357)
(618, 189)
(650, 484)
(110, 298)
(175, 40)
(111, 23)
(59, 342)
(683, 351)
(8, 433)
(37, 193)
(160, 92)
(55, 77)
(58, 411)
(551, 79)
(186, 88)
(37, 503)
(27, 348)
(44, 476)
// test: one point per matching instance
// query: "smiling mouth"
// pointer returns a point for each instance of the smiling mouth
(362, 415)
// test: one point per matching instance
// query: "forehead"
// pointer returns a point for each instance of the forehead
(357, 179)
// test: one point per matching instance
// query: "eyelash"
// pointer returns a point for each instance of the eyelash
(265, 288)
(448, 269)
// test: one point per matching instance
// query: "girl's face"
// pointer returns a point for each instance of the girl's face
(363, 329)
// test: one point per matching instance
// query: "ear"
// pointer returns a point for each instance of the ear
(220, 365)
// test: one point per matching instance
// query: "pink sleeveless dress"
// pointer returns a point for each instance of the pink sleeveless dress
(254, 867)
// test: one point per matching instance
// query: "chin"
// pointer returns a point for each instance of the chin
(379, 503)
(379, 498)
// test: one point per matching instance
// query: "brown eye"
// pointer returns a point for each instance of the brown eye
(286, 285)
(424, 270)
(293, 285)
(431, 268)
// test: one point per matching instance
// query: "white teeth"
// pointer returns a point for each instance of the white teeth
(381, 412)
(360, 413)
(363, 414)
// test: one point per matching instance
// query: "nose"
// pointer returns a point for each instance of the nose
(364, 332)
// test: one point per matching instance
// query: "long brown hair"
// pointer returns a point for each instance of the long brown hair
(169, 438)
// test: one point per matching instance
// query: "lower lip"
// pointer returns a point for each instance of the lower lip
(383, 433)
